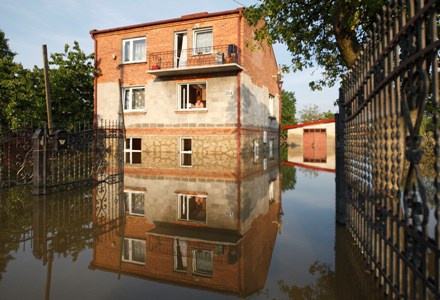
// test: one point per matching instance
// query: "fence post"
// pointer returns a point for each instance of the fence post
(40, 162)
(340, 166)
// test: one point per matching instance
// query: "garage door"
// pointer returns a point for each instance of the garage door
(315, 145)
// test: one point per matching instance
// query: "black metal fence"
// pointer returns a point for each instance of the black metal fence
(62, 160)
(16, 162)
(389, 152)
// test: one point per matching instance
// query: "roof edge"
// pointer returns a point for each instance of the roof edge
(193, 16)
(307, 124)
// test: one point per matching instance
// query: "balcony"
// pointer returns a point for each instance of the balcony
(195, 61)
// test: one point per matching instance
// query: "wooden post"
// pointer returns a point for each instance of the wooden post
(47, 90)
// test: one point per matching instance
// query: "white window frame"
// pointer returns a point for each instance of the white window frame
(131, 150)
(186, 96)
(204, 50)
(130, 90)
(182, 151)
(130, 251)
(131, 52)
(129, 197)
(185, 198)
(194, 263)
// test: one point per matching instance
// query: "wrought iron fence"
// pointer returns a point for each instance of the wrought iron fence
(195, 57)
(65, 160)
(389, 151)
(62, 160)
(16, 162)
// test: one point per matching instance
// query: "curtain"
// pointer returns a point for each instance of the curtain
(204, 42)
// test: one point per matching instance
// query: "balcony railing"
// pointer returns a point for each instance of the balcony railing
(193, 58)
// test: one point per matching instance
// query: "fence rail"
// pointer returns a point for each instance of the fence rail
(388, 150)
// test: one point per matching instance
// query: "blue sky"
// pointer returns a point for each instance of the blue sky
(28, 24)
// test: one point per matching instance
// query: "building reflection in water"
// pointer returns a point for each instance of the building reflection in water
(211, 227)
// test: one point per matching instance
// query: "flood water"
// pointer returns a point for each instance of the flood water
(267, 233)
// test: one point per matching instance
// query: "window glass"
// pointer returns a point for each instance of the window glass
(134, 98)
(133, 150)
(203, 262)
(203, 41)
(185, 152)
(134, 50)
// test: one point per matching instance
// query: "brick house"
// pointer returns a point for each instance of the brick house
(214, 233)
(190, 87)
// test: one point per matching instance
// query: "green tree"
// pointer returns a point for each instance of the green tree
(311, 113)
(288, 173)
(72, 86)
(288, 112)
(22, 95)
(328, 34)
(7, 70)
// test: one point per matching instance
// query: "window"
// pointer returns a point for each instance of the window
(135, 203)
(192, 96)
(202, 41)
(134, 251)
(202, 262)
(133, 50)
(271, 141)
(133, 147)
(271, 192)
(134, 98)
(180, 255)
(192, 208)
(256, 150)
(271, 105)
(185, 152)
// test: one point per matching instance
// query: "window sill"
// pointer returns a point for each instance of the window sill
(132, 62)
(134, 113)
(192, 111)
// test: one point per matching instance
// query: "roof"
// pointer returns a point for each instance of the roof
(195, 16)
(307, 124)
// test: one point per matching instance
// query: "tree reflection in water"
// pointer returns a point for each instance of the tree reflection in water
(321, 288)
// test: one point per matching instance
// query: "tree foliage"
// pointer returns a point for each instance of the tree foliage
(311, 113)
(22, 91)
(288, 111)
(327, 34)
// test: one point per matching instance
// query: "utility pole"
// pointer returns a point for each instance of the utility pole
(47, 90)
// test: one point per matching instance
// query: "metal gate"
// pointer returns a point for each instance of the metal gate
(388, 150)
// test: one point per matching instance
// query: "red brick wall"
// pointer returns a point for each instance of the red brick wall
(260, 63)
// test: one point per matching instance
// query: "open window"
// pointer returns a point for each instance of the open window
(180, 46)
(191, 208)
(192, 96)
(180, 255)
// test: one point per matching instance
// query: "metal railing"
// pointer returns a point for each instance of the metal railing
(388, 149)
(195, 57)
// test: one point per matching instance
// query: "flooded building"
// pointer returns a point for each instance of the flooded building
(189, 85)
(215, 233)
(312, 144)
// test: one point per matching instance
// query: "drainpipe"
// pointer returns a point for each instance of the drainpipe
(241, 280)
